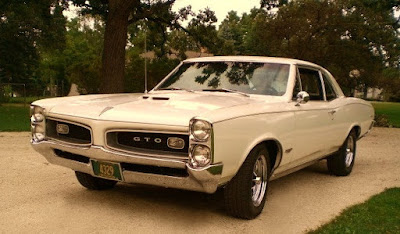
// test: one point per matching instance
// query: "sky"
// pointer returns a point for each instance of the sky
(220, 7)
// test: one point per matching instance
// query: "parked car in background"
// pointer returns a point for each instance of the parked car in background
(231, 122)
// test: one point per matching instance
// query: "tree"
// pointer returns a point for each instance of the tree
(118, 14)
(342, 36)
(271, 4)
(28, 35)
(83, 52)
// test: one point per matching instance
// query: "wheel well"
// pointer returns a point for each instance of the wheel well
(358, 130)
(273, 151)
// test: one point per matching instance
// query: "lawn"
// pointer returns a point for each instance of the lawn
(14, 118)
(380, 214)
(390, 109)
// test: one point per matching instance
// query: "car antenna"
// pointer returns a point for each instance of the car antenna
(145, 61)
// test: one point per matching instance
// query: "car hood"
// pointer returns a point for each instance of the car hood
(169, 108)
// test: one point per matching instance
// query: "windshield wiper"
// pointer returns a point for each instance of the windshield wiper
(227, 91)
(177, 88)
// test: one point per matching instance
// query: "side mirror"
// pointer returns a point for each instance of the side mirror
(302, 98)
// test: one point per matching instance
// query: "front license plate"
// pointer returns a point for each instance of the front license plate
(107, 170)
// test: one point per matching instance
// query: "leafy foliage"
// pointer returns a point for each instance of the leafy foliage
(344, 36)
(358, 40)
(83, 54)
(30, 31)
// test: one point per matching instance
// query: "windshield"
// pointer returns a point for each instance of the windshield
(246, 77)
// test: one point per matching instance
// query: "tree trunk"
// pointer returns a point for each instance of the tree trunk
(365, 96)
(115, 37)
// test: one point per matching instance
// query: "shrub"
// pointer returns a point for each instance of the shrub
(381, 120)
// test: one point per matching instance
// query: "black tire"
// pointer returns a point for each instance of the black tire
(94, 183)
(238, 194)
(338, 163)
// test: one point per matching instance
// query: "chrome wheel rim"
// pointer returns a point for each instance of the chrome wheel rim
(349, 151)
(260, 181)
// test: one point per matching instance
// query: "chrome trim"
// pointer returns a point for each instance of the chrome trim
(191, 128)
(148, 153)
(321, 79)
(167, 155)
(302, 98)
(35, 123)
(62, 128)
(144, 131)
(202, 180)
(75, 123)
(183, 146)
(259, 180)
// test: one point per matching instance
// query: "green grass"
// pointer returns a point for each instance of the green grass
(14, 118)
(380, 214)
(390, 109)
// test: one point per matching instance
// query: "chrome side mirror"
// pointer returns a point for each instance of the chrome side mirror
(302, 98)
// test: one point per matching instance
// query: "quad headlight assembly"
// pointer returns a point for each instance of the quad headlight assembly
(37, 123)
(201, 143)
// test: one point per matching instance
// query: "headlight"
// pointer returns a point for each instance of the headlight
(200, 129)
(37, 118)
(37, 123)
(200, 156)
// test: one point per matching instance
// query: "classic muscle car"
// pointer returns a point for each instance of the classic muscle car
(219, 122)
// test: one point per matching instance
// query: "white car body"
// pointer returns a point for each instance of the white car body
(300, 134)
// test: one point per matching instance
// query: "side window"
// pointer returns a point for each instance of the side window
(311, 83)
(330, 92)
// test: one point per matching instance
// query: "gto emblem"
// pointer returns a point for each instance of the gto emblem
(175, 143)
(62, 129)
(147, 139)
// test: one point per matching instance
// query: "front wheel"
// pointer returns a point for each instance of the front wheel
(94, 183)
(342, 162)
(246, 193)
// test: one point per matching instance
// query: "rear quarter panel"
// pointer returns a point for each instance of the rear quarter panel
(353, 112)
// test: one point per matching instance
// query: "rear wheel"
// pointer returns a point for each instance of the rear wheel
(246, 193)
(94, 183)
(341, 163)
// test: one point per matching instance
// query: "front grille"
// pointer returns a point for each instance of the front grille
(146, 142)
(76, 134)
(177, 172)
(71, 156)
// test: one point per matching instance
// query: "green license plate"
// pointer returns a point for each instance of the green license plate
(107, 170)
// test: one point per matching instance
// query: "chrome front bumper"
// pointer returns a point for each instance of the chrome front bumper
(202, 180)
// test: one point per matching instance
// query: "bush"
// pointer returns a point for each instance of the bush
(5, 93)
(381, 120)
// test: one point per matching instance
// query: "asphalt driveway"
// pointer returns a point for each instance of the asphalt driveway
(39, 197)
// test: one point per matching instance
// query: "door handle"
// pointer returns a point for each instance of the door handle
(332, 112)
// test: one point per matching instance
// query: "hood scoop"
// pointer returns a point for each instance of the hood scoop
(157, 98)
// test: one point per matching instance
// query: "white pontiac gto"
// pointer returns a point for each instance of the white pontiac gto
(230, 122)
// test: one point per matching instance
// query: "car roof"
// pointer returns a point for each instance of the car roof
(251, 59)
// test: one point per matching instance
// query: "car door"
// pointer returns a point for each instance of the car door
(339, 123)
(313, 120)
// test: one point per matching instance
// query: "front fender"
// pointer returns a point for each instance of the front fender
(235, 138)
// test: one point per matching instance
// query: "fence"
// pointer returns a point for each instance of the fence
(27, 93)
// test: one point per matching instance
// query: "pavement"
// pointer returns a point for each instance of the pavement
(39, 197)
